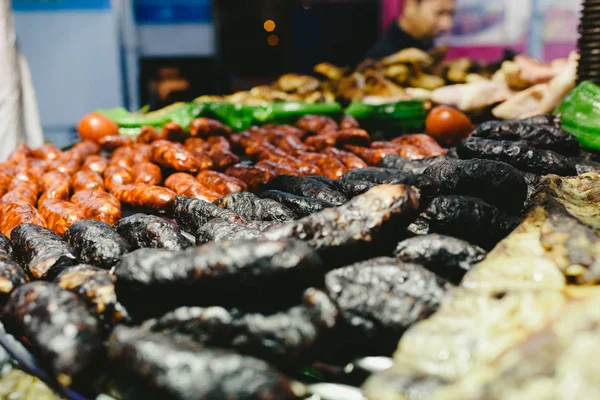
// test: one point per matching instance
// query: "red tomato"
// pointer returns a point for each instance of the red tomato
(448, 125)
(95, 126)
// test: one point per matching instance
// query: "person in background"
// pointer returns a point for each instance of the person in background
(418, 25)
(19, 118)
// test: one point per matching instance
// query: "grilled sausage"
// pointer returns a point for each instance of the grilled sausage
(59, 214)
(56, 185)
(95, 163)
(186, 185)
(175, 156)
(254, 177)
(47, 152)
(116, 175)
(86, 180)
(98, 205)
(147, 172)
(144, 196)
(220, 183)
(204, 127)
(14, 214)
(371, 156)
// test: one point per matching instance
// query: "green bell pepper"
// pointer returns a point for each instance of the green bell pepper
(390, 119)
(181, 113)
(291, 111)
(580, 114)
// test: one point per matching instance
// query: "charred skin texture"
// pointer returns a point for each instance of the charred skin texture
(410, 166)
(351, 161)
(307, 187)
(96, 287)
(5, 245)
(257, 275)
(316, 123)
(56, 185)
(111, 143)
(15, 214)
(419, 227)
(424, 142)
(254, 177)
(218, 230)
(221, 183)
(205, 127)
(155, 366)
(98, 205)
(145, 197)
(47, 152)
(542, 136)
(352, 188)
(378, 300)
(174, 156)
(300, 205)
(59, 214)
(359, 229)
(42, 252)
(278, 169)
(448, 257)
(287, 338)
(87, 180)
(96, 243)
(372, 157)
(186, 185)
(191, 214)
(495, 182)
(12, 275)
(62, 332)
(95, 163)
(147, 173)
(262, 226)
(470, 219)
(520, 155)
(252, 207)
(142, 230)
(382, 176)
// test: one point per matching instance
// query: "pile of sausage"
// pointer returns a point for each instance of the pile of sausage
(52, 188)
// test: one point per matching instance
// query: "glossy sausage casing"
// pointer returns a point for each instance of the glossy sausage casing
(186, 185)
(59, 214)
(15, 214)
(220, 183)
(86, 180)
(98, 205)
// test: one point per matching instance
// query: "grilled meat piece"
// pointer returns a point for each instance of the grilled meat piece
(42, 252)
(542, 136)
(186, 185)
(250, 274)
(56, 185)
(393, 177)
(357, 229)
(204, 127)
(59, 214)
(86, 179)
(147, 172)
(252, 207)
(174, 156)
(96, 287)
(254, 177)
(470, 219)
(95, 163)
(5, 245)
(307, 187)
(300, 205)
(142, 230)
(520, 155)
(98, 205)
(448, 257)
(410, 166)
(372, 156)
(217, 230)
(168, 367)
(191, 214)
(147, 197)
(285, 338)
(495, 182)
(62, 332)
(378, 300)
(96, 243)
(352, 188)
(12, 275)
(220, 183)
(15, 214)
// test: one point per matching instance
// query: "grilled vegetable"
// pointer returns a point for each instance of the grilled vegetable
(142, 230)
(285, 338)
(252, 207)
(496, 182)
(520, 155)
(378, 300)
(393, 177)
(300, 205)
(448, 257)
(358, 228)
(61, 331)
(96, 243)
(191, 214)
(470, 219)
(12, 275)
(42, 252)
(252, 274)
(166, 367)
(307, 187)
(579, 114)
(448, 125)
(217, 230)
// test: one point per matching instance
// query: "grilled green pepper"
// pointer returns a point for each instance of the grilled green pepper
(580, 114)
(402, 116)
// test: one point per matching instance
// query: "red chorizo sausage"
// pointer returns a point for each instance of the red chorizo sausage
(55, 185)
(147, 172)
(98, 205)
(221, 183)
(15, 214)
(149, 134)
(144, 196)
(47, 152)
(123, 156)
(372, 157)
(204, 127)
(426, 143)
(141, 153)
(95, 163)
(254, 177)
(111, 143)
(59, 214)
(116, 175)
(278, 169)
(175, 156)
(351, 161)
(87, 180)
(316, 123)
(186, 185)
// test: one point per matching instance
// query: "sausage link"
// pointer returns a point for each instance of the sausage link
(19, 154)
(151, 197)
(15, 214)
(95, 163)
(403, 150)
(147, 172)
(186, 185)
(141, 153)
(316, 123)
(116, 175)
(173, 132)
(25, 192)
(47, 152)
(321, 142)
(221, 183)
(87, 180)
(288, 130)
(175, 156)
(111, 143)
(331, 167)
(98, 205)
(426, 143)
(85, 149)
(278, 169)
(351, 161)
(59, 214)
(372, 157)
(7, 173)
(55, 185)
(199, 148)
(254, 177)
(149, 134)
(349, 122)
(204, 127)
(68, 163)
(123, 156)
(29, 169)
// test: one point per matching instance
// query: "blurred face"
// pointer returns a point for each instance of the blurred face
(430, 18)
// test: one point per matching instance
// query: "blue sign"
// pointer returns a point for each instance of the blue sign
(60, 5)
(173, 11)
